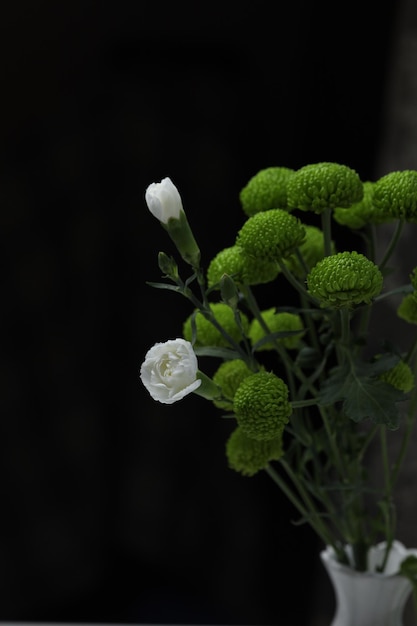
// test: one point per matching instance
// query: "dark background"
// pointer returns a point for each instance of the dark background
(115, 508)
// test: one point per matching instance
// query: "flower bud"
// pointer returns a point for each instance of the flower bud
(167, 265)
(229, 291)
(164, 202)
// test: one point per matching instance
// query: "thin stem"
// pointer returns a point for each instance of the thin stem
(389, 523)
(326, 225)
(392, 244)
(306, 508)
(296, 284)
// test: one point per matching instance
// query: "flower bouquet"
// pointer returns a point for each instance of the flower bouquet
(312, 390)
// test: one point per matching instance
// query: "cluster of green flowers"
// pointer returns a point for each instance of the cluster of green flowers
(316, 411)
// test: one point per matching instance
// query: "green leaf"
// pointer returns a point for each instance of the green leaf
(362, 395)
(216, 351)
(165, 286)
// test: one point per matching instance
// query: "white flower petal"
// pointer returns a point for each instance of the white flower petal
(169, 371)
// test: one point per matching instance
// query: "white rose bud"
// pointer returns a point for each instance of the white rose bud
(164, 202)
(169, 371)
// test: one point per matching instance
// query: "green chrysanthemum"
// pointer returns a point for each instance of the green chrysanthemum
(311, 250)
(344, 279)
(228, 377)
(261, 406)
(407, 309)
(321, 186)
(266, 190)
(248, 456)
(363, 212)
(395, 194)
(400, 376)
(242, 268)
(281, 322)
(271, 235)
(207, 334)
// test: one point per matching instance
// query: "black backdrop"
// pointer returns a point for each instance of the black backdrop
(114, 508)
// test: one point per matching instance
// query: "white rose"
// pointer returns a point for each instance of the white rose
(169, 371)
(163, 200)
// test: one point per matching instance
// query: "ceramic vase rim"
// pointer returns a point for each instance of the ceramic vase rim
(397, 548)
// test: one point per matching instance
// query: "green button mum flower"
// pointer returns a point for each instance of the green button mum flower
(344, 279)
(321, 186)
(396, 195)
(407, 309)
(261, 406)
(281, 322)
(208, 334)
(363, 212)
(242, 268)
(271, 235)
(266, 190)
(248, 456)
(400, 376)
(228, 377)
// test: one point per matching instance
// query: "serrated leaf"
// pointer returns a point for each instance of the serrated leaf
(363, 396)
(368, 398)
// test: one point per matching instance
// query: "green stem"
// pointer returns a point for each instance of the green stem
(392, 244)
(389, 521)
(304, 505)
(296, 284)
(326, 226)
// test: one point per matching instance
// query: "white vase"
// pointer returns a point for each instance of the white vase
(369, 598)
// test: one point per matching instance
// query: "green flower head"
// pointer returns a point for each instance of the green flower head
(242, 268)
(407, 309)
(400, 376)
(261, 406)
(207, 334)
(395, 194)
(228, 377)
(248, 456)
(282, 322)
(363, 212)
(271, 235)
(344, 279)
(321, 186)
(266, 190)
(311, 250)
